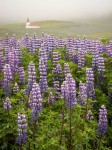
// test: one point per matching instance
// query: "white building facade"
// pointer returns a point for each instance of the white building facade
(30, 26)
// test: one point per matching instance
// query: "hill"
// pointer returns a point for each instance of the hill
(90, 28)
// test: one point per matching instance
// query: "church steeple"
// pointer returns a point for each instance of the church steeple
(28, 25)
(28, 20)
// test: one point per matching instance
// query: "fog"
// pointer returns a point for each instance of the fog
(12, 11)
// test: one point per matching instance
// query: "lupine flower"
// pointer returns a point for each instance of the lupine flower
(60, 42)
(16, 88)
(19, 54)
(68, 91)
(66, 69)
(51, 41)
(69, 41)
(101, 69)
(80, 58)
(1, 61)
(7, 40)
(13, 60)
(56, 58)
(51, 99)
(7, 104)
(35, 101)
(43, 53)
(70, 52)
(109, 51)
(56, 90)
(33, 47)
(95, 60)
(31, 76)
(89, 115)
(82, 97)
(22, 129)
(43, 75)
(63, 90)
(102, 125)
(7, 79)
(21, 75)
(58, 69)
(13, 41)
(90, 83)
(58, 75)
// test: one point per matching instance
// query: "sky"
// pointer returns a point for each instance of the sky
(12, 11)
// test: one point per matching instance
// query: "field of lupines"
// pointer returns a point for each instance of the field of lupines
(55, 94)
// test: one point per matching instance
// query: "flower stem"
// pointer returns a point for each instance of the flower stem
(63, 115)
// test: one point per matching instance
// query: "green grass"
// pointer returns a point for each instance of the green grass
(64, 28)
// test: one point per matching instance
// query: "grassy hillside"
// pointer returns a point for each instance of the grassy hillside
(91, 29)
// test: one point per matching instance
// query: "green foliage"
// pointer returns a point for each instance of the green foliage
(105, 41)
(46, 133)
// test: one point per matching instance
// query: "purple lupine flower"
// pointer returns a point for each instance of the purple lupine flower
(89, 115)
(43, 75)
(7, 40)
(60, 42)
(50, 50)
(56, 58)
(43, 53)
(21, 75)
(90, 83)
(101, 65)
(51, 99)
(70, 52)
(22, 129)
(26, 40)
(19, 54)
(82, 97)
(35, 101)
(70, 91)
(13, 60)
(7, 104)
(37, 43)
(7, 79)
(101, 69)
(31, 76)
(29, 44)
(56, 90)
(33, 48)
(1, 61)
(80, 58)
(13, 41)
(95, 60)
(102, 125)
(58, 69)
(109, 51)
(16, 88)
(63, 89)
(66, 69)
(69, 41)
(7, 51)
(58, 75)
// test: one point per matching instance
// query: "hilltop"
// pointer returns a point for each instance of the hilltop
(90, 28)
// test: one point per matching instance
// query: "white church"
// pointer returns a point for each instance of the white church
(30, 25)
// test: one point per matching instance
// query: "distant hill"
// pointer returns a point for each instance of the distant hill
(91, 28)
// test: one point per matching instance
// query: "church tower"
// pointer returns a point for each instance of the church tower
(30, 26)
(27, 22)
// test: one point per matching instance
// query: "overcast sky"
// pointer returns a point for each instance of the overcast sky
(19, 10)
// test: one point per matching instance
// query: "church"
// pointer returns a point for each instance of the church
(30, 25)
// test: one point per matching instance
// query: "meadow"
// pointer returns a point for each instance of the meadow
(64, 28)
(55, 91)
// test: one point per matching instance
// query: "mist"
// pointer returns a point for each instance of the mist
(15, 11)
